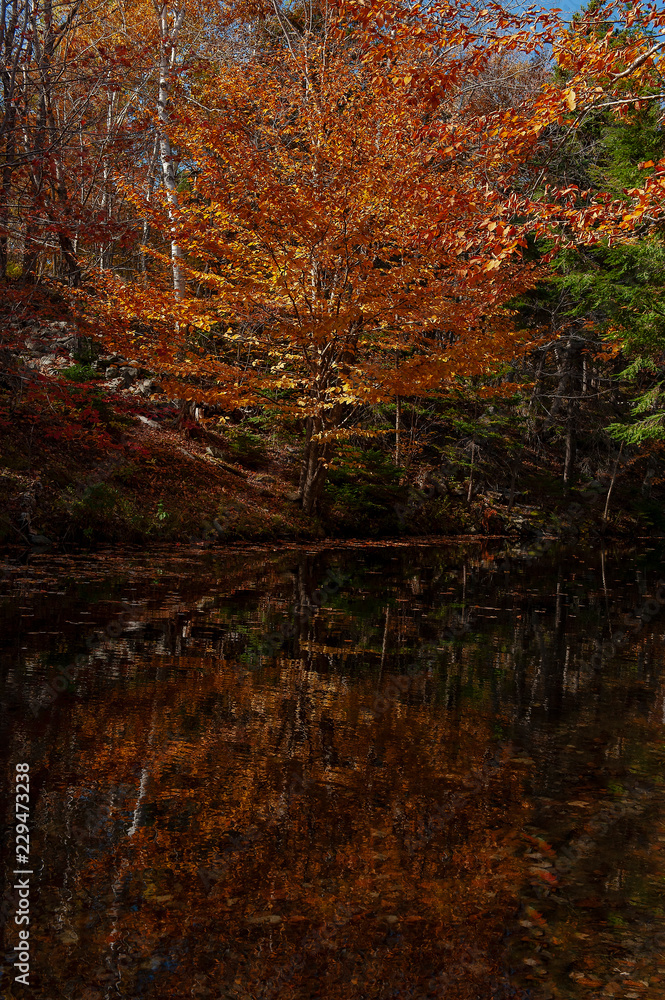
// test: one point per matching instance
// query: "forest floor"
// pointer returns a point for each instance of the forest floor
(130, 474)
(90, 453)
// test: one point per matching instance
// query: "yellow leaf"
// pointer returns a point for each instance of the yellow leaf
(571, 99)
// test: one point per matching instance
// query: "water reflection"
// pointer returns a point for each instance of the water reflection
(373, 772)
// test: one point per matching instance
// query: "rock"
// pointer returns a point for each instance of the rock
(264, 918)
(146, 387)
(215, 452)
(147, 422)
(264, 485)
(392, 919)
(36, 347)
(39, 540)
(294, 496)
(67, 343)
(129, 375)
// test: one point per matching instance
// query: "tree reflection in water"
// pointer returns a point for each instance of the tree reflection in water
(426, 789)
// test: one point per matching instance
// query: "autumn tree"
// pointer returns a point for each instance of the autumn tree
(339, 247)
(354, 191)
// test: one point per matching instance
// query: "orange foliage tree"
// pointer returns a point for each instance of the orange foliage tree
(358, 190)
(607, 59)
(340, 247)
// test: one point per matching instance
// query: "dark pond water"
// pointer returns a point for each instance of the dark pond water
(355, 772)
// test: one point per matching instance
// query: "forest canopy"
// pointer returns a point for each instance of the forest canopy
(331, 212)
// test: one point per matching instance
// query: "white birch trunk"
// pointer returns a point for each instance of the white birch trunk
(167, 53)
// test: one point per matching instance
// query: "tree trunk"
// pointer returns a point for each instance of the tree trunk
(513, 477)
(43, 54)
(30, 242)
(106, 248)
(571, 446)
(167, 54)
(609, 492)
(398, 422)
(148, 198)
(313, 471)
(329, 369)
(470, 490)
(7, 172)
